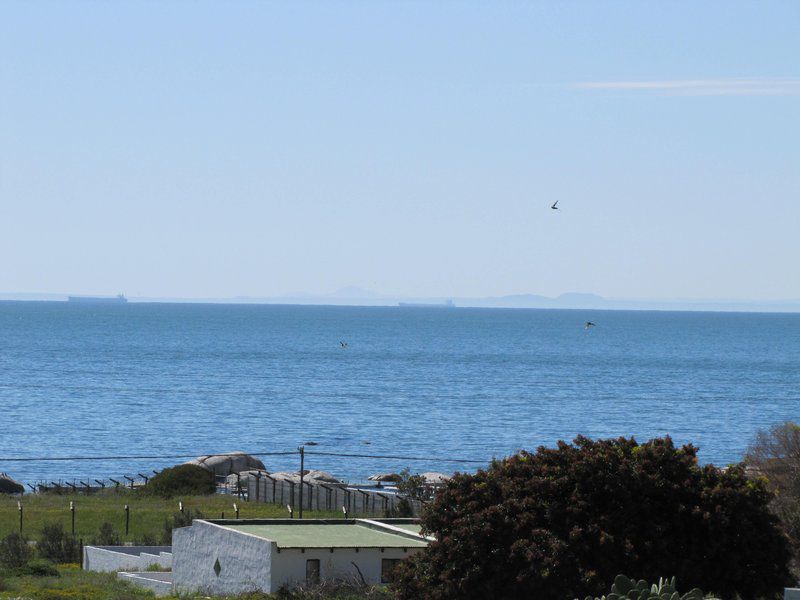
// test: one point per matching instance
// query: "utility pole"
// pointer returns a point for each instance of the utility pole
(302, 450)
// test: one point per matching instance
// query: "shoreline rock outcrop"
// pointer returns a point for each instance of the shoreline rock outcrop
(228, 464)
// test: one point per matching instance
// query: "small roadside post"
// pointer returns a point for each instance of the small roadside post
(291, 512)
(127, 519)
(72, 512)
(302, 450)
(236, 510)
(19, 507)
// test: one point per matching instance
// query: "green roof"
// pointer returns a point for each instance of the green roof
(412, 527)
(328, 535)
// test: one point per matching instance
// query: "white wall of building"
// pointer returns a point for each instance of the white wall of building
(250, 563)
(244, 560)
(289, 565)
(109, 559)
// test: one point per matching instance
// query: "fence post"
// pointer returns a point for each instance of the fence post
(72, 511)
(19, 505)
(127, 519)
(302, 466)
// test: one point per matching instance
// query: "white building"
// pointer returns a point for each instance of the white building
(237, 556)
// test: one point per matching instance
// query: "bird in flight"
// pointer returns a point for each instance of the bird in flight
(343, 344)
(554, 206)
(589, 324)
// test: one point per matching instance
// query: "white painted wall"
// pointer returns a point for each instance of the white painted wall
(158, 583)
(244, 560)
(289, 565)
(108, 559)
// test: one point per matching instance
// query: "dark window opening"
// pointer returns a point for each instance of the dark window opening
(312, 571)
(387, 566)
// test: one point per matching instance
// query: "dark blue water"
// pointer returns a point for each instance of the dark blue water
(467, 383)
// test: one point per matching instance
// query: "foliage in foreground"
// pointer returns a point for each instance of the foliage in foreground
(181, 480)
(625, 588)
(775, 456)
(74, 584)
(562, 522)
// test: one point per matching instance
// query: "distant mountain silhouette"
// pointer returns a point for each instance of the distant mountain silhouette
(352, 291)
(355, 296)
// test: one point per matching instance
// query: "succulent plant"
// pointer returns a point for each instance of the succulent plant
(628, 589)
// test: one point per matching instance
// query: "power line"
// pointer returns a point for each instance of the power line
(139, 457)
(392, 457)
(289, 453)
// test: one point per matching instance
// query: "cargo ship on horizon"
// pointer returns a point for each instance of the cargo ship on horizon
(118, 299)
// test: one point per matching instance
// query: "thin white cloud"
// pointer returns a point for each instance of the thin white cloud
(702, 87)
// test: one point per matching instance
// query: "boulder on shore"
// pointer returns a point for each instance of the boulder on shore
(8, 485)
(228, 463)
(243, 477)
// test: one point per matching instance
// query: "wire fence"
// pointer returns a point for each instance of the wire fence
(295, 492)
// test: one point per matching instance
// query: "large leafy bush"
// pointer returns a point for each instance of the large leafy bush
(562, 522)
(57, 545)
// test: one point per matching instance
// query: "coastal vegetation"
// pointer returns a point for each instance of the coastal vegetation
(69, 582)
(774, 457)
(562, 522)
(180, 480)
(146, 514)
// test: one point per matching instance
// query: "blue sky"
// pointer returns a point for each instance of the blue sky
(217, 149)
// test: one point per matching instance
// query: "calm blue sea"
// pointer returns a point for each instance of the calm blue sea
(469, 383)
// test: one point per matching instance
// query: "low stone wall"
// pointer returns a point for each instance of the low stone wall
(159, 583)
(110, 559)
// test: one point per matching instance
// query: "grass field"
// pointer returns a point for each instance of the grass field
(74, 584)
(147, 515)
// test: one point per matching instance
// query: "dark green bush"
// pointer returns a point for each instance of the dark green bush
(179, 519)
(183, 480)
(14, 551)
(38, 567)
(146, 539)
(57, 545)
(106, 536)
(562, 522)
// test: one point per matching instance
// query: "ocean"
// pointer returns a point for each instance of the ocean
(433, 383)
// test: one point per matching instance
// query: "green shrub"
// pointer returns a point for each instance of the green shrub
(183, 480)
(38, 567)
(146, 539)
(56, 545)
(14, 551)
(179, 519)
(629, 589)
(562, 522)
(107, 536)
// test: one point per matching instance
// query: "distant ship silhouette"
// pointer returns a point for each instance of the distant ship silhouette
(118, 299)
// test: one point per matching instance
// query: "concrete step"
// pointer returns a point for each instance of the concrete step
(160, 583)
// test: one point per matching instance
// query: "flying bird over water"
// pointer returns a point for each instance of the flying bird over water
(589, 324)
(343, 344)
(554, 206)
